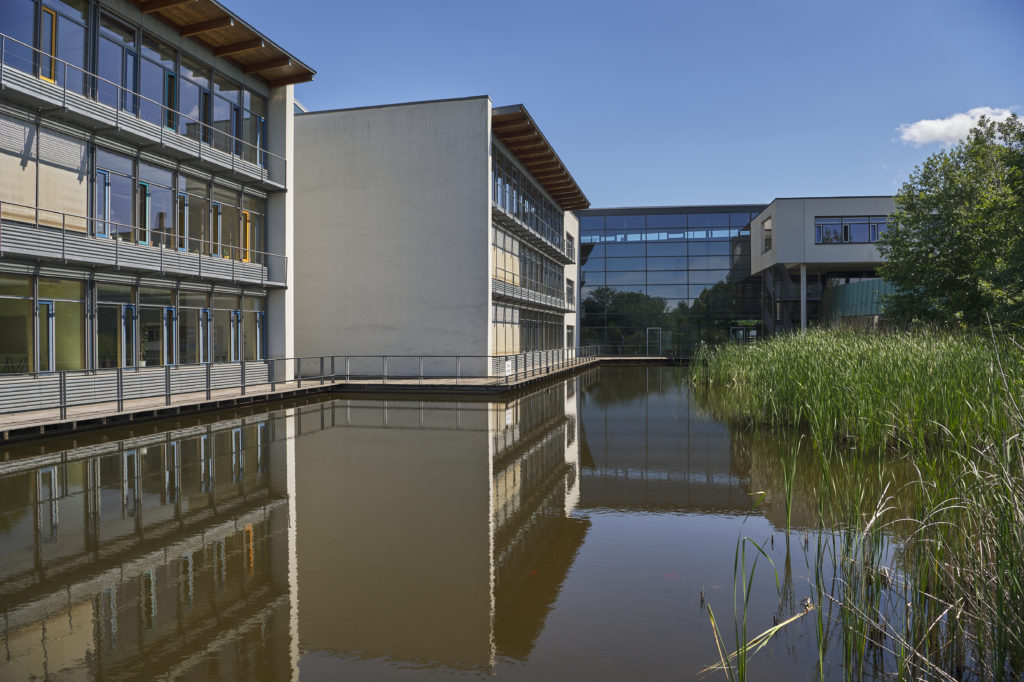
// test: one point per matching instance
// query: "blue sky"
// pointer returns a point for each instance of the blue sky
(659, 103)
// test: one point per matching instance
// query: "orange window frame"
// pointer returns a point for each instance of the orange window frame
(50, 55)
(246, 241)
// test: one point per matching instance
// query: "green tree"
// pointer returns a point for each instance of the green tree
(955, 246)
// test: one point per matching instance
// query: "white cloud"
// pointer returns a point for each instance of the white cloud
(949, 130)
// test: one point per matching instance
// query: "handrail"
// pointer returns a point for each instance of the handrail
(167, 241)
(63, 389)
(207, 128)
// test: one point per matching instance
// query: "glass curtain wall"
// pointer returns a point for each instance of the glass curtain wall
(662, 281)
(115, 326)
(61, 337)
(17, 346)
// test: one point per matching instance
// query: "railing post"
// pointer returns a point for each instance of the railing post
(332, 368)
(208, 377)
(421, 370)
(241, 366)
(167, 384)
(321, 370)
(348, 373)
(458, 369)
(63, 395)
(270, 373)
(384, 368)
(298, 371)
(120, 389)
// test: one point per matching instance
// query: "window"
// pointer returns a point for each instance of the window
(849, 230)
(48, 45)
(766, 228)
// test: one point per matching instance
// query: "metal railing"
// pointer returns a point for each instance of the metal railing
(162, 247)
(156, 387)
(134, 106)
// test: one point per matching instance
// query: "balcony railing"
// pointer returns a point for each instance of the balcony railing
(151, 388)
(540, 240)
(89, 98)
(513, 290)
(39, 233)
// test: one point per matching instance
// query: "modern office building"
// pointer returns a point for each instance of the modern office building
(145, 169)
(805, 249)
(661, 280)
(438, 228)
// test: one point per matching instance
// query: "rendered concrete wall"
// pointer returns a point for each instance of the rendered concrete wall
(572, 228)
(793, 232)
(281, 225)
(393, 222)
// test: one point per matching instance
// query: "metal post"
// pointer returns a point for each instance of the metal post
(208, 382)
(421, 370)
(167, 384)
(270, 372)
(322, 370)
(298, 371)
(332, 369)
(63, 395)
(348, 373)
(384, 367)
(120, 390)
(458, 369)
(241, 366)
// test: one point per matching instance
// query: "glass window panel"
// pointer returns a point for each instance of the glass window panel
(159, 52)
(252, 303)
(114, 293)
(198, 225)
(114, 162)
(707, 276)
(709, 248)
(591, 222)
(15, 285)
(226, 88)
(61, 289)
(193, 299)
(155, 174)
(666, 276)
(666, 220)
(222, 302)
(830, 233)
(69, 335)
(250, 336)
(195, 71)
(161, 215)
(151, 329)
(189, 106)
(16, 336)
(666, 249)
(625, 264)
(859, 233)
(625, 250)
(151, 87)
(699, 219)
(667, 291)
(221, 335)
(154, 296)
(117, 31)
(188, 335)
(71, 48)
(619, 278)
(708, 262)
(18, 23)
(109, 68)
(596, 278)
(593, 264)
(739, 219)
(677, 263)
(229, 226)
(718, 220)
(625, 221)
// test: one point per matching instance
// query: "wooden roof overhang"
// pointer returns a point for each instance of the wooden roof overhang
(517, 130)
(209, 23)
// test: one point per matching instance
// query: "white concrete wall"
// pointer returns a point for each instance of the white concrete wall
(572, 227)
(392, 207)
(281, 226)
(793, 232)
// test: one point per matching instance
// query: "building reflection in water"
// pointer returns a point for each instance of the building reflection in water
(152, 555)
(428, 534)
(441, 531)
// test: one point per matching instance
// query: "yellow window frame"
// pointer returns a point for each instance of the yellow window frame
(50, 55)
(246, 240)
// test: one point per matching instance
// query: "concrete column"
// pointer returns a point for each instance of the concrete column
(281, 227)
(803, 297)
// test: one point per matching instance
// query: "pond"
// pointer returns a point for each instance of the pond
(578, 532)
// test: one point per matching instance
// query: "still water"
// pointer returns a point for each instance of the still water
(566, 534)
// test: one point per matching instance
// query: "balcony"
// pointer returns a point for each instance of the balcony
(527, 234)
(72, 95)
(513, 293)
(65, 238)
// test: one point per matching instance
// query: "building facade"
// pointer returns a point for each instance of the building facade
(448, 232)
(805, 247)
(144, 174)
(661, 280)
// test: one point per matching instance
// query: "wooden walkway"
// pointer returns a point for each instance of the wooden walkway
(37, 423)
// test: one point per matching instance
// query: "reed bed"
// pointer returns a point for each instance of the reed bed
(923, 575)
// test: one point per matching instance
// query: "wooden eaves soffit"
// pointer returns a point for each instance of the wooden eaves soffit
(517, 130)
(213, 25)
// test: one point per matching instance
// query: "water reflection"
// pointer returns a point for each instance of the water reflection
(562, 534)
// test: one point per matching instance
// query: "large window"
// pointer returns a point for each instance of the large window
(516, 192)
(16, 327)
(849, 230)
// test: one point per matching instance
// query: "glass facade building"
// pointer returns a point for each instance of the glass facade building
(661, 280)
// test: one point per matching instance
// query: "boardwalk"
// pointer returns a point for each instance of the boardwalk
(43, 422)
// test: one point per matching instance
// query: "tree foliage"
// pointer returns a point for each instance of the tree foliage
(955, 246)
